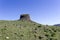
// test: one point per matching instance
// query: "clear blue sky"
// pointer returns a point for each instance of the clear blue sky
(41, 11)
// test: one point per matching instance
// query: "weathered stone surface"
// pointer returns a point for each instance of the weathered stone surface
(25, 17)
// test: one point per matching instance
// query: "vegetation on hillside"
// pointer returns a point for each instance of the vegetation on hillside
(24, 30)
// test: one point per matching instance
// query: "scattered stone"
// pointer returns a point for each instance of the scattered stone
(0, 35)
(7, 37)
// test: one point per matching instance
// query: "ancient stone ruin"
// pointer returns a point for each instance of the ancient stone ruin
(25, 17)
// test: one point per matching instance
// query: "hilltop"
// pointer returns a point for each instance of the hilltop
(57, 25)
(26, 29)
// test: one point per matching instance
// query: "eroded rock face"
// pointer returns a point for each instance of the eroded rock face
(25, 17)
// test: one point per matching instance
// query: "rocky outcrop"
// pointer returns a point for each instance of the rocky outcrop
(25, 17)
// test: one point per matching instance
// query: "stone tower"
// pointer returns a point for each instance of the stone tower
(25, 17)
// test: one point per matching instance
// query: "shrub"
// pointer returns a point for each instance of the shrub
(53, 34)
(46, 35)
(39, 26)
(40, 37)
(35, 36)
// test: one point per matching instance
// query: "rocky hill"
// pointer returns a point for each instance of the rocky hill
(57, 25)
(25, 29)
